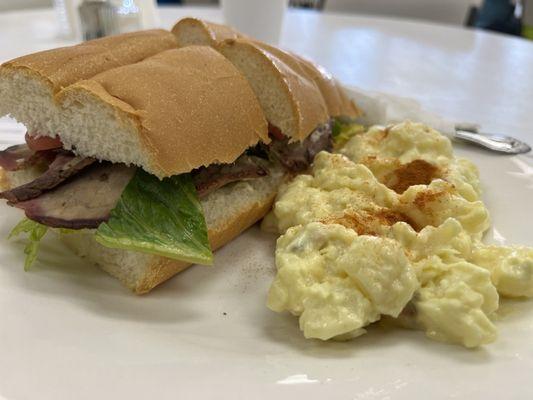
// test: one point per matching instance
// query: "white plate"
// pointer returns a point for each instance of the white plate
(69, 331)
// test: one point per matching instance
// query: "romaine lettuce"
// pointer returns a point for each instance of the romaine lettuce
(35, 233)
(162, 217)
(343, 131)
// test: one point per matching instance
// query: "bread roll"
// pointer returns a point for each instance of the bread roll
(291, 101)
(28, 84)
(171, 113)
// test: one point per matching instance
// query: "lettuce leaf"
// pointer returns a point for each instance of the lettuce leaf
(162, 217)
(35, 233)
(343, 131)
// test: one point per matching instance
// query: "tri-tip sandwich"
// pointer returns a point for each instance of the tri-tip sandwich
(146, 153)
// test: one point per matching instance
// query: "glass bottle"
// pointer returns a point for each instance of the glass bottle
(98, 19)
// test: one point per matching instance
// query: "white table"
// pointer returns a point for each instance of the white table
(462, 74)
(70, 332)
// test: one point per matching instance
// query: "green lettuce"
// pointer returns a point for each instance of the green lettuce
(35, 233)
(162, 217)
(343, 131)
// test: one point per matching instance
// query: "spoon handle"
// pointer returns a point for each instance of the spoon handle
(497, 143)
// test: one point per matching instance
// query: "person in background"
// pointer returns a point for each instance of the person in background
(501, 16)
(527, 19)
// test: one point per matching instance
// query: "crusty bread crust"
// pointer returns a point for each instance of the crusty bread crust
(338, 104)
(28, 84)
(190, 31)
(189, 107)
(305, 91)
(308, 106)
(325, 83)
(66, 65)
(208, 33)
(190, 101)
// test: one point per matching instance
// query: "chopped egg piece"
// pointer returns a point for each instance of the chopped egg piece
(434, 203)
(452, 307)
(511, 268)
(337, 281)
(403, 143)
(456, 297)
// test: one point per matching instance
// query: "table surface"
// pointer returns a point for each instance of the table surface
(463, 74)
(96, 339)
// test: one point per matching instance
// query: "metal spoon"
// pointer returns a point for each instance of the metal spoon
(497, 143)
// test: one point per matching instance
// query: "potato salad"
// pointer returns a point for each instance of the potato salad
(390, 226)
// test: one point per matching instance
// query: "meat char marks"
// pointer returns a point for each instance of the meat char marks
(63, 167)
(208, 179)
(76, 192)
(83, 202)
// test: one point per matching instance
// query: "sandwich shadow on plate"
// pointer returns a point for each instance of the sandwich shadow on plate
(59, 273)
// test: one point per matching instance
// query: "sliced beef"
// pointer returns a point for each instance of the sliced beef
(208, 179)
(79, 193)
(318, 141)
(297, 156)
(293, 156)
(14, 157)
(63, 167)
(20, 156)
(83, 202)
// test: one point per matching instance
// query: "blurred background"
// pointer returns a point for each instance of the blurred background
(514, 17)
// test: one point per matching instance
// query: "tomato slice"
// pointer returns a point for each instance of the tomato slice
(38, 143)
(275, 132)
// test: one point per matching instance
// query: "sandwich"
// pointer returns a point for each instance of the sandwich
(146, 154)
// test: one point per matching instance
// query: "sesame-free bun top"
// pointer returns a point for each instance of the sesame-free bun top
(173, 112)
(339, 105)
(66, 65)
(193, 31)
(291, 100)
(28, 84)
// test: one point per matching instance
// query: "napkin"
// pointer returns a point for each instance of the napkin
(383, 109)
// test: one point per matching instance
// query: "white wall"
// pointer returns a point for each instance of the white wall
(6, 5)
(447, 11)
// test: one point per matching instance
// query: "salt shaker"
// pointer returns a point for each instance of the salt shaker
(98, 18)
